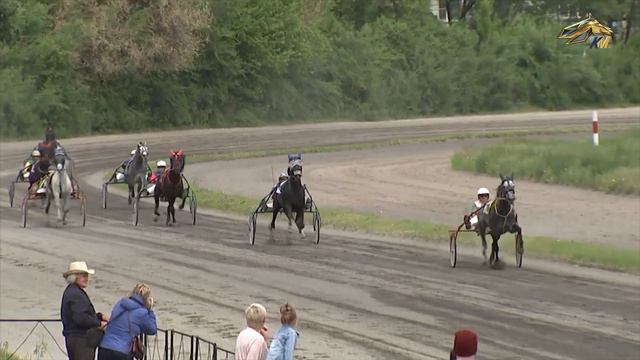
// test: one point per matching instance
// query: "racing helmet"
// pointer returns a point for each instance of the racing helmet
(35, 153)
(483, 191)
(161, 163)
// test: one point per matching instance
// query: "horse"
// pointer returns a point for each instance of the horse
(291, 198)
(135, 173)
(59, 188)
(170, 186)
(500, 217)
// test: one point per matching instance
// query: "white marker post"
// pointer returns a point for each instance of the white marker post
(594, 126)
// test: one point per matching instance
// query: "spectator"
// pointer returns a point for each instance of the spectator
(286, 338)
(465, 345)
(77, 312)
(251, 343)
(130, 317)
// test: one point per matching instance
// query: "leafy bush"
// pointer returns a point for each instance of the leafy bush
(109, 66)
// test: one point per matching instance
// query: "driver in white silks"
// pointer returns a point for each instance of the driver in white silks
(472, 220)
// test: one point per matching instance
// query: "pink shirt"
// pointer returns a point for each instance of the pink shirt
(250, 345)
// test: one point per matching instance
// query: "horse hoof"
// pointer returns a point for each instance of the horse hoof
(302, 234)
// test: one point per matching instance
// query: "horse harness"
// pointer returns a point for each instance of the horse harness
(495, 207)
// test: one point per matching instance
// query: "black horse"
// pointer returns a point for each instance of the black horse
(291, 198)
(135, 173)
(500, 217)
(169, 186)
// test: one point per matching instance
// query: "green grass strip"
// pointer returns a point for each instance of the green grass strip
(536, 246)
(612, 167)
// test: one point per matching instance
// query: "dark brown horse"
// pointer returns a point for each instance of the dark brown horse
(169, 186)
(291, 199)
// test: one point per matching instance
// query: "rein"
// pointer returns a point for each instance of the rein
(495, 207)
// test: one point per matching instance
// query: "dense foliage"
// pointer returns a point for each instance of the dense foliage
(95, 66)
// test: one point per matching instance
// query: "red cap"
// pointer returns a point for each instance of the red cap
(465, 343)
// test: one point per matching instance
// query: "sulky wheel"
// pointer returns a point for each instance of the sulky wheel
(25, 209)
(316, 225)
(252, 228)
(193, 207)
(519, 249)
(12, 192)
(453, 248)
(83, 209)
(104, 195)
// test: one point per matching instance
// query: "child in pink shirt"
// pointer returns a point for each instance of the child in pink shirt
(251, 343)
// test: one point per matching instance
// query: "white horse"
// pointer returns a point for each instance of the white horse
(60, 189)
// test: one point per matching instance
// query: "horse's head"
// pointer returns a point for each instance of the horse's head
(142, 149)
(176, 161)
(59, 158)
(296, 170)
(507, 188)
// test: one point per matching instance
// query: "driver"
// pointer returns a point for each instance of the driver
(28, 164)
(126, 161)
(161, 166)
(154, 177)
(483, 197)
(48, 146)
(38, 172)
(281, 180)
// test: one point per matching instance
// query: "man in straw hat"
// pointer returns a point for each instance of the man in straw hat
(465, 345)
(77, 312)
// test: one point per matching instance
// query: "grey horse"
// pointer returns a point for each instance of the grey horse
(135, 172)
(499, 217)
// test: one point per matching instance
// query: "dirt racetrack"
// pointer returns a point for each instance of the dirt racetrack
(416, 182)
(359, 297)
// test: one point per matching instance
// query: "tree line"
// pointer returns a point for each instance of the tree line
(104, 66)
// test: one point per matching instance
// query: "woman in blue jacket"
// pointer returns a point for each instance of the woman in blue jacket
(284, 343)
(130, 317)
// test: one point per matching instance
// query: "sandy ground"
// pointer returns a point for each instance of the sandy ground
(416, 182)
(359, 296)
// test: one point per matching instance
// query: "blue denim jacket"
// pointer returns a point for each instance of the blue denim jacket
(283, 344)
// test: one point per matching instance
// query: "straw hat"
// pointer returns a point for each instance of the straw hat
(78, 267)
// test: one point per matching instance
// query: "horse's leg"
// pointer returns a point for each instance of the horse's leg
(289, 212)
(276, 211)
(300, 223)
(494, 249)
(168, 210)
(130, 197)
(65, 208)
(184, 200)
(49, 196)
(173, 210)
(156, 199)
(482, 228)
(58, 201)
